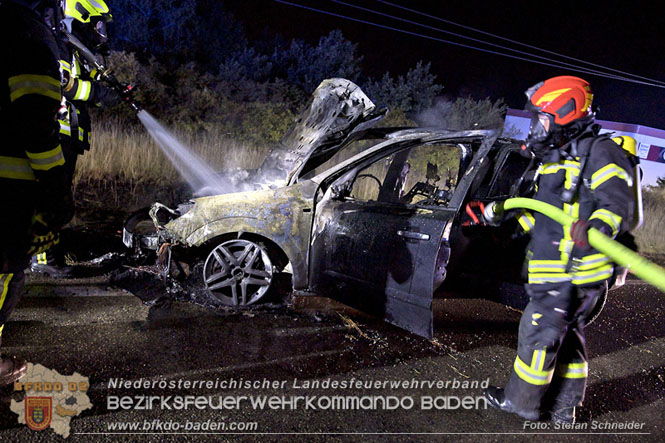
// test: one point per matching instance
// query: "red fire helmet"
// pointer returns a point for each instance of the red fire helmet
(566, 98)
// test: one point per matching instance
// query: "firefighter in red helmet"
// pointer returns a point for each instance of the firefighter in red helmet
(589, 177)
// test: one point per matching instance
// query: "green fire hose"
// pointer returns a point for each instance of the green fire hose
(640, 266)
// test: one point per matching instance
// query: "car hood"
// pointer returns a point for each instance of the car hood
(268, 210)
(337, 111)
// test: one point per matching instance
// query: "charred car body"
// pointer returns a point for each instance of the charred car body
(380, 230)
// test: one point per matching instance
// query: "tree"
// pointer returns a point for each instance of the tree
(177, 32)
(306, 66)
(411, 93)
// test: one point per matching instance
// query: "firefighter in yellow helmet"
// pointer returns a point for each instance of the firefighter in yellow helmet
(589, 177)
(86, 20)
(34, 187)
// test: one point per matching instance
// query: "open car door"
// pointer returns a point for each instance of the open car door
(379, 241)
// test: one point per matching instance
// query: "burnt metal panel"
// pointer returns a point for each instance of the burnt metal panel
(282, 215)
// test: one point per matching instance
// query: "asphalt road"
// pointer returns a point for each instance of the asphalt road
(108, 334)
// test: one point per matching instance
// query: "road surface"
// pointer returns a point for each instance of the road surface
(113, 338)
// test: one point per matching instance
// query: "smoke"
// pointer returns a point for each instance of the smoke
(464, 113)
(435, 116)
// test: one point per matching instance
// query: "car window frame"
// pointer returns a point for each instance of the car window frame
(349, 178)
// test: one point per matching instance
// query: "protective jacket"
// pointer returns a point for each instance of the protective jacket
(590, 178)
(603, 195)
(79, 90)
(32, 176)
(31, 158)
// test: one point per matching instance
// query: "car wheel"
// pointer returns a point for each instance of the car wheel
(238, 272)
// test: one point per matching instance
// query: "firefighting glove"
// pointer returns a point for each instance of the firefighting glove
(106, 97)
(473, 214)
(579, 233)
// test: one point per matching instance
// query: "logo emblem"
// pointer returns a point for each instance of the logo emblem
(38, 412)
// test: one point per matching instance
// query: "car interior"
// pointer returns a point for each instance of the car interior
(423, 175)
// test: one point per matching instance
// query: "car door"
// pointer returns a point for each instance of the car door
(376, 245)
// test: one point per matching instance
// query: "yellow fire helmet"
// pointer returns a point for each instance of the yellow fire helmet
(84, 10)
(87, 19)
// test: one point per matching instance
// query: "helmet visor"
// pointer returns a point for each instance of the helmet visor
(539, 128)
(100, 30)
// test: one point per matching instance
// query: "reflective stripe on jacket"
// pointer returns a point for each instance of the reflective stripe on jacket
(603, 195)
(30, 96)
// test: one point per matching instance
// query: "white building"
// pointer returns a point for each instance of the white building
(650, 141)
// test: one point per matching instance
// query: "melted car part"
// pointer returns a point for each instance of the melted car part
(139, 232)
(336, 109)
(162, 214)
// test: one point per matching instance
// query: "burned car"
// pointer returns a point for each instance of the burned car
(378, 228)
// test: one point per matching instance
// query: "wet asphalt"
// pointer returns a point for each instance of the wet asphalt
(103, 333)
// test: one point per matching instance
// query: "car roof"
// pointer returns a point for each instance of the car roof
(391, 136)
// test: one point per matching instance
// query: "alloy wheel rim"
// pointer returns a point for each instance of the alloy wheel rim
(238, 272)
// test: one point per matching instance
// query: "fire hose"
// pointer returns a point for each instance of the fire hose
(125, 91)
(621, 255)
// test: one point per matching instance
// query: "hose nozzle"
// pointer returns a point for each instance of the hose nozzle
(493, 213)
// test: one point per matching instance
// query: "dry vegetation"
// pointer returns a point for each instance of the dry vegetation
(651, 236)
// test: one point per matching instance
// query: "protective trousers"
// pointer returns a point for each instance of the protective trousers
(15, 240)
(55, 255)
(550, 370)
(11, 286)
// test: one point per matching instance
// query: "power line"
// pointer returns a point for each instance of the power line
(461, 36)
(403, 31)
(481, 41)
(515, 41)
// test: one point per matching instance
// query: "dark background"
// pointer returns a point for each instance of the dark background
(627, 36)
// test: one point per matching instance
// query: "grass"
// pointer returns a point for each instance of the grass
(650, 237)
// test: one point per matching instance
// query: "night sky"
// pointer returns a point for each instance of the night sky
(628, 36)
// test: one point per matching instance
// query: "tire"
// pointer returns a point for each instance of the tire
(238, 272)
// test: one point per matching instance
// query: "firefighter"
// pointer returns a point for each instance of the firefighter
(589, 177)
(86, 20)
(34, 187)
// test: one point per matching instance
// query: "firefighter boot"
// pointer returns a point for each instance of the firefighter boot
(497, 399)
(50, 264)
(563, 415)
(11, 369)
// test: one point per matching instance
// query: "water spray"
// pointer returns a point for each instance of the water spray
(198, 174)
(621, 255)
